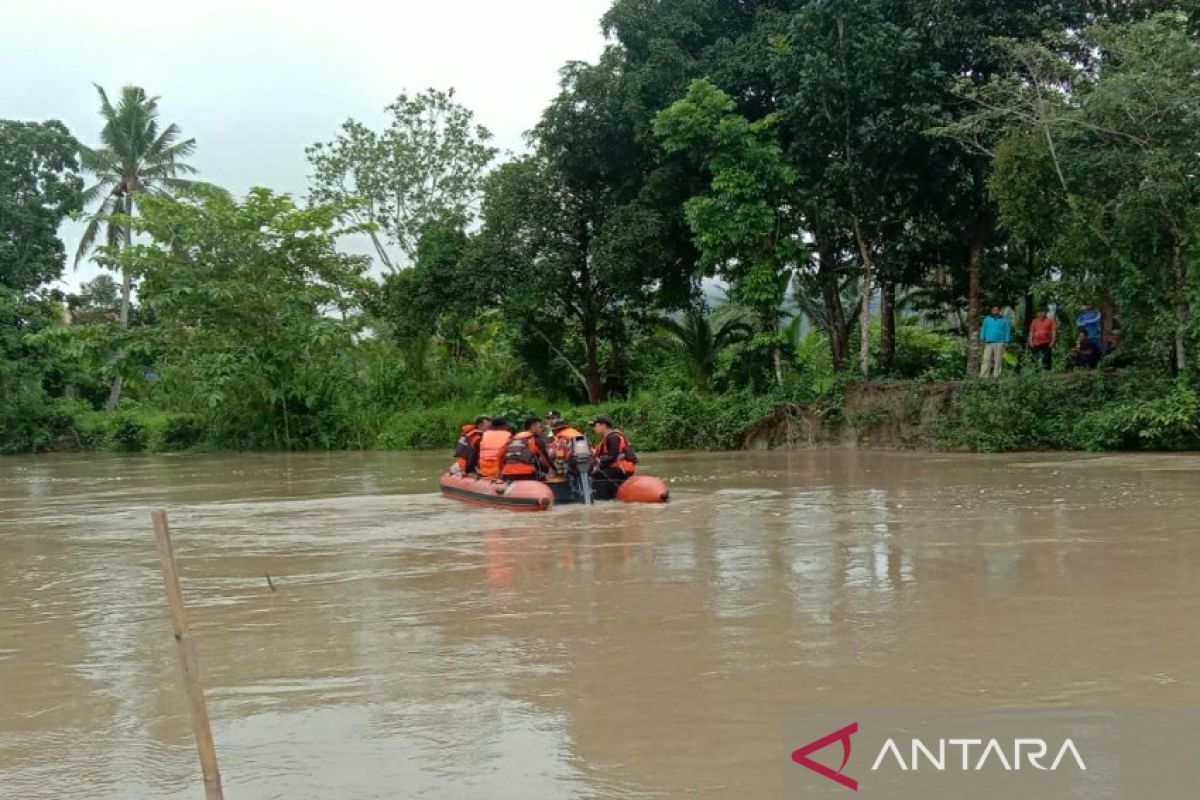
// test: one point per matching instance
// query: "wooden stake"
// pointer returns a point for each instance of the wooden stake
(187, 654)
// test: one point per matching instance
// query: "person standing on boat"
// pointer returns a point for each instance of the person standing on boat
(466, 452)
(492, 446)
(525, 458)
(615, 460)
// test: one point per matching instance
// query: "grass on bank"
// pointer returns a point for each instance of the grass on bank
(1092, 411)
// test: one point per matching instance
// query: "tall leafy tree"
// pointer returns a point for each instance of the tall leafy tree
(746, 225)
(39, 187)
(254, 307)
(1100, 160)
(539, 242)
(426, 165)
(137, 155)
(858, 88)
(439, 296)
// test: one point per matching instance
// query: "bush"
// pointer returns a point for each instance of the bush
(30, 423)
(424, 429)
(171, 432)
(1167, 421)
(927, 354)
(1080, 411)
(1032, 411)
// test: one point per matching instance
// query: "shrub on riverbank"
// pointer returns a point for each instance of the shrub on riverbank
(1030, 411)
(1081, 411)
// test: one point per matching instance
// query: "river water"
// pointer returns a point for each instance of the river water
(415, 647)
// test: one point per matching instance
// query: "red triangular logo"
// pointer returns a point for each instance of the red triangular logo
(801, 756)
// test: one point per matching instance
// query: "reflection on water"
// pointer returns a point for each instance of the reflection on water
(415, 647)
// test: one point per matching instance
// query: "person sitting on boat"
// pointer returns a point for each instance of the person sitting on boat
(614, 459)
(567, 445)
(492, 446)
(466, 452)
(526, 458)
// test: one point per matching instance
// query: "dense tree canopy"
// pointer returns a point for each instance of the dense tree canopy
(737, 205)
(39, 187)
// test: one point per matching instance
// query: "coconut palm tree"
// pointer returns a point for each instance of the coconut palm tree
(704, 340)
(136, 155)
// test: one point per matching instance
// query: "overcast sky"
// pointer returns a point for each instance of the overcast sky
(255, 81)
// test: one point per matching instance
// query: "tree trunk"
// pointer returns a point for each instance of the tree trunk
(1030, 300)
(887, 327)
(594, 387)
(114, 394)
(588, 311)
(126, 297)
(974, 318)
(114, 391)
(1108, 317)
(1183, 311)
(831, 296)
(868, 277)
(583, 381)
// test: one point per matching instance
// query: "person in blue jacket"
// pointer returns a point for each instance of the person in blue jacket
(995, 333)
(1089, 321)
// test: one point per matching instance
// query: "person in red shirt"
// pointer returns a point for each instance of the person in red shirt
(1043, 333)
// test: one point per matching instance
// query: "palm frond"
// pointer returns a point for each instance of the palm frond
(98, 218)
(103, 188)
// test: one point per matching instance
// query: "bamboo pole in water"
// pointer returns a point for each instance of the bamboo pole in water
(187, 654)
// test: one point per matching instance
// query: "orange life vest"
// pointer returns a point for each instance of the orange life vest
(564, 443)
(627, 466)
(465, 448)
(524, 456)
(491, 452)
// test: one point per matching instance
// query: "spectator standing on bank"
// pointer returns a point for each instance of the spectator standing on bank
(995, 333)
(1043, 334)
(1089, 321)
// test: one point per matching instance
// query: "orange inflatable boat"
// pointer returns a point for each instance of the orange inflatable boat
(643, 489)
(538, 496)
(515, 495)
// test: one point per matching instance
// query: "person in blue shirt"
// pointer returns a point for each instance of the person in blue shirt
(1089, 321)
(995, 333)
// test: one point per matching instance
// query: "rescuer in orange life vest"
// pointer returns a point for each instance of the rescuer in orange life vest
(525, 458)
(614, 459)
(562, 437)
(492, 445)
(466, 452)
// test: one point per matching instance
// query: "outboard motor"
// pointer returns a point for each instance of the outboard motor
(581, 465)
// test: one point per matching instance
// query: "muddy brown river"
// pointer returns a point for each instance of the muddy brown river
(415, 647)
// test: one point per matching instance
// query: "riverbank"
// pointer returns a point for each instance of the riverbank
(1091, 411)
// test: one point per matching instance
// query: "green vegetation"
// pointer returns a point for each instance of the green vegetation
(739, 207)
(1085, 411)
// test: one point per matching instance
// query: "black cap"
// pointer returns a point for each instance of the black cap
(601, 420)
